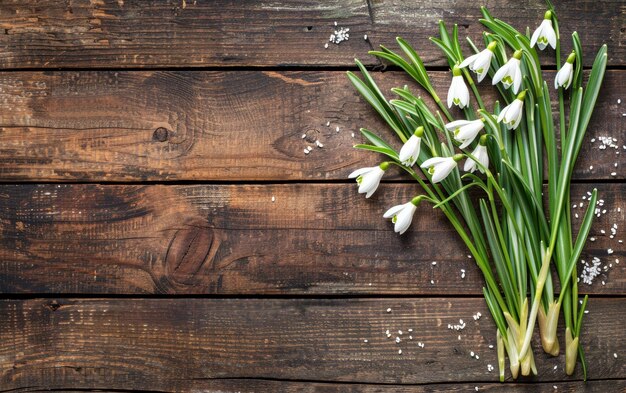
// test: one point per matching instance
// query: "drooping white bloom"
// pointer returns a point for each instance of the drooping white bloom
(480, 62)
(480, 153)
(401, 216)
(368, 178)
(544, 34)
(465, 131)
(411, 149)
(441, 167)
(512, 113)
(564, 77)
(510, 73)
(458, 94)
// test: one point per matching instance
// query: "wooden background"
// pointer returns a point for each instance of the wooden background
(161, 229)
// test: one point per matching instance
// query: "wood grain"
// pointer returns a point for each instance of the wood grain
(169, 344)
(249, 385)
(134, 33)
(232, 239)
(164, 126)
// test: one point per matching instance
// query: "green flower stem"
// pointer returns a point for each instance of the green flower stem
(470, 81)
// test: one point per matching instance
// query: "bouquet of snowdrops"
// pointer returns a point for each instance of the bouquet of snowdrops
(502, 147)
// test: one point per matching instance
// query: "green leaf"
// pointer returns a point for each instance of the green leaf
(375, 139)
(388, 152)
(583, 232)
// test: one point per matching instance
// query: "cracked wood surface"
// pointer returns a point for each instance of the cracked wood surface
(322, 239)
(135, 33)
(221, 125)
(170, 344)
(264, 287)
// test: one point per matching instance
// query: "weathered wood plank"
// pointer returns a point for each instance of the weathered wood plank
(258, 385)
(134, 33)
(233, 239)
(130, 126)
(167, 344)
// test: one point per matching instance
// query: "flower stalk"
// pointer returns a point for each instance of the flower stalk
(514, 240)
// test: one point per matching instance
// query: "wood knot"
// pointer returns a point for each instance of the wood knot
(187, 253)
(53, 305)
(160, 134)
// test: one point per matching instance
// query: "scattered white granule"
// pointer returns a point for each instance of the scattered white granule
(398, 340)
(365, 37)
(273, 198)
(365, 341)
(472, 354)
(462, 273)
(399, 352)
(337, 129)
(619, 100)
(489, 368)
(410, 330)
(326, 45)
(388, 310)
(433, 263)
(615, 355)
(303, 136)
(340, 35)
(432, 282)
(328, 124)
(490, 346)
(353, 134)
(306, 151)
(400, 332)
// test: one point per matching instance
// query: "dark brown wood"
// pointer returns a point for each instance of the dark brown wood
(134, 126)
(170, 344)
(135, 33)
(233, 239)
(259, 385)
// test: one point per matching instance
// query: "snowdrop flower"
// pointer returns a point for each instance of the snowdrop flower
(510, 73)
(368, 179)
(411, 149)
(465, 131)
(564, 76)
(480, 153)
(458, 93)
(512, 114)
(440, 167)
(544, 34)
(402, 215)
(480, 62)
